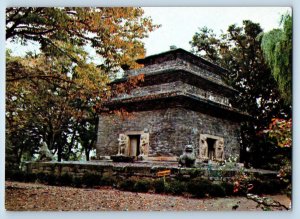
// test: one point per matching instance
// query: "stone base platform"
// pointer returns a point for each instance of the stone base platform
(141, 169)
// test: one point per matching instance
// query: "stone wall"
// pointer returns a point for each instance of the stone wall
(177, 64)
(169, 131)
(142, 170)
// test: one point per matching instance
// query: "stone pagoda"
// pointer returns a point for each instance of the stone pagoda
(183, 100)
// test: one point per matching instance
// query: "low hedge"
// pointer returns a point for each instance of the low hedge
(197, 187)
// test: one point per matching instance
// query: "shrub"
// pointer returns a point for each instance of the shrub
(228, 188)
(273, 186)
(30, 177)
(91, 179)
(159, 186)
(142, 186)
(77, 182)
(108, 180)
(265, 187)
(41, 177)
(51, 179)
(16, 175)
(176, 187)
(199, 187)
(127, 185)
(65, 179)
(216, 190)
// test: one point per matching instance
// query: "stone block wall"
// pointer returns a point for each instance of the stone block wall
(177, 64)
(178, 86)
(125, 170)
(169, 131)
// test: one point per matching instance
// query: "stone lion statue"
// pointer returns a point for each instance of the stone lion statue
(44, 153)
(188, 158)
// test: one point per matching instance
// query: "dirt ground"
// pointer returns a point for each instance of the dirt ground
(39, 197)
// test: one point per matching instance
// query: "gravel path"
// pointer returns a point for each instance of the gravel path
(39, 197)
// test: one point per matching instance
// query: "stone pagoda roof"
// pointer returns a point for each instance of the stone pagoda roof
(184, 55)
(181, 78)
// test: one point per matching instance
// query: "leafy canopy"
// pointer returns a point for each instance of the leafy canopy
(55, 96)
(277, 47)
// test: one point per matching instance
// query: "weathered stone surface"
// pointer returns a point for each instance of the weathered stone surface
(169, 131)
(181, 98)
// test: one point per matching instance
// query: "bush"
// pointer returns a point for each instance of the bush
(30, 177)
(176, 187)
(265, 187)
(159, 186)
(108, 180)
(216, 190)
(51, 179)
(41, 177)
(199, 187)
(91, 179)
(15, 175)
(77, 182)
(127, 185)
(65, 179)
(142, 186)
(228, 188)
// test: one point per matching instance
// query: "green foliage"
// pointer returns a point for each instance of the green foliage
(55, 96)
(142, 185)
(113, 32)
(159, 186)
(65, 179)
(217, 190)
(108, 180)
(228, 188)
(90, 179)
(239, 50)
(128, 184)
(176, 187)
(199, 187)
(277, 46)
(281, 131)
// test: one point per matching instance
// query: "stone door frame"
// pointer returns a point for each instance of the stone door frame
(143, 151)
(205, 136)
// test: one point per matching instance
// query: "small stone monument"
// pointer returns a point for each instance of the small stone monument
(44, 153)
(123, 143)
(219, 150)
(188, 158)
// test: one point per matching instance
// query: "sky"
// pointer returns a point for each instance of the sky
(179, 24)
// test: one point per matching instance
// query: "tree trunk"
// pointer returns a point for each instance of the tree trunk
(87, 154)
(59, 152)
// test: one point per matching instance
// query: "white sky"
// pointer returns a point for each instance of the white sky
(179, 24)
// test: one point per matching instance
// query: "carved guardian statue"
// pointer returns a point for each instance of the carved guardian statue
(203, 148)
(219, 150)
(123, 142)
(188, 158)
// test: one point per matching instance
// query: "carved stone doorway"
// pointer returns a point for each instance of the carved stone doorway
(134, 145)
(210, 148)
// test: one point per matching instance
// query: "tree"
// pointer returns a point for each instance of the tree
(277, 48)
(239, 51)
(115, 33)
(55, 96)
